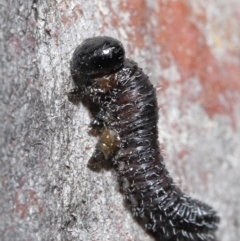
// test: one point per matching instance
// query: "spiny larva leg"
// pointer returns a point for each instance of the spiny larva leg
(102, 119)
(96, 123)
(75, 94)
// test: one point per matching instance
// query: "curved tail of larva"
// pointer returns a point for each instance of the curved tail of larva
(163, 207)
(182, 218)
(186, 219)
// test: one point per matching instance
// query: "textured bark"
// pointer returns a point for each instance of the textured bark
(191, 50)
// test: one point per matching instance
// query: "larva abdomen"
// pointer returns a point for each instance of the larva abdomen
(126, 114)
(153, 189)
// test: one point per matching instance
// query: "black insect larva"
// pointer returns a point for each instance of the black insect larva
(124, 108)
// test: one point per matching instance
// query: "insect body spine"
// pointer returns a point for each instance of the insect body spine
(124, 107)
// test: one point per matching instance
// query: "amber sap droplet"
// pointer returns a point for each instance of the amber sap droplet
(109, 142)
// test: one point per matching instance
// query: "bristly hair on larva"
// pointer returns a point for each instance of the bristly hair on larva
(123, 105)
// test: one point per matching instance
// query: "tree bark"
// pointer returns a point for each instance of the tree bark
(190, 49)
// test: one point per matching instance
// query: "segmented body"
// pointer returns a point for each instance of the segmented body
(124, 108)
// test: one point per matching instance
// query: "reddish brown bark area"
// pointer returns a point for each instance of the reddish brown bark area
(177, 33)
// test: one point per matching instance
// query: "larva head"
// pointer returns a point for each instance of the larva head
(97, 56)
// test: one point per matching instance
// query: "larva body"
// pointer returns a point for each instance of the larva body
(124, 108)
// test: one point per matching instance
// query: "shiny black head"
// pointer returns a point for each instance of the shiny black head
(97, 56)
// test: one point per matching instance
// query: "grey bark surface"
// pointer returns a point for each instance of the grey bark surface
(46, 190)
